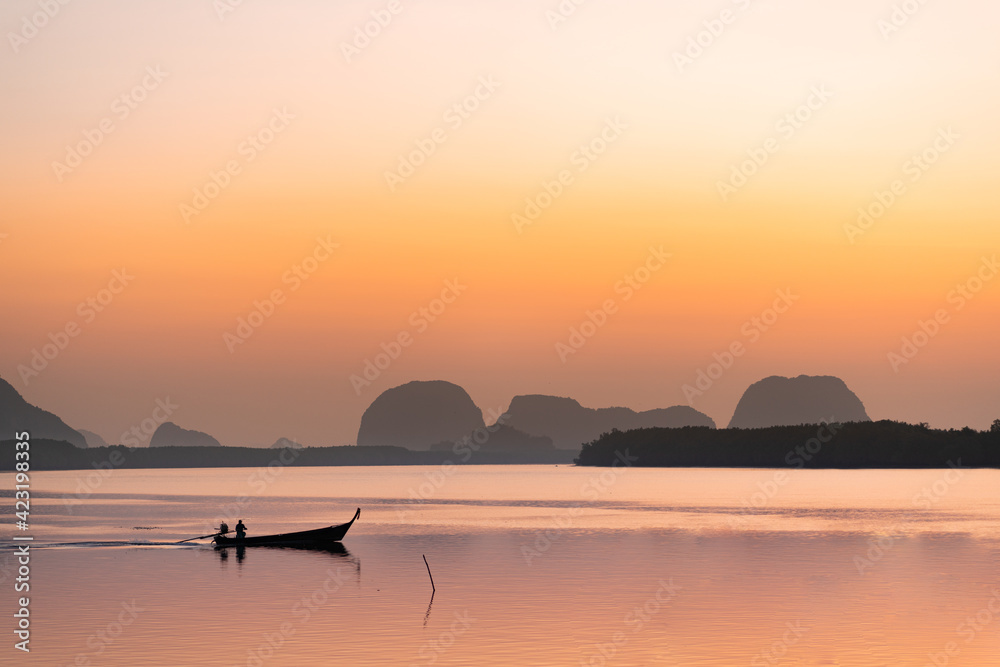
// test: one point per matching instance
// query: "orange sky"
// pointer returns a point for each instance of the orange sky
(301, 136)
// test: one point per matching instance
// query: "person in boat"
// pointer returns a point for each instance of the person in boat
(223, 528)
(241, 530)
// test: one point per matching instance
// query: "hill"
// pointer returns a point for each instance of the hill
(17, 415)
(569, 424)
(806, 399)
(417, 415)
(169, 434)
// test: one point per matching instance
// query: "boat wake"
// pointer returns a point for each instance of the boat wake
(93, 544)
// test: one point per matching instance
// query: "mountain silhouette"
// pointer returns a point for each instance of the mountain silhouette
(806, 399)
(285, 443)
(169, 434)
(17, 415)
(569, 424)
(499, 438)
(93, 440)
(418, 414)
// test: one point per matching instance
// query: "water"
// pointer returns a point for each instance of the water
(534, 565)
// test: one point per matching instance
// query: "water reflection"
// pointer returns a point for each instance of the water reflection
(838, 568)
(429, 605)
(334, 549)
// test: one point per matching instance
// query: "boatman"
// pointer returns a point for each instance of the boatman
(241, 530)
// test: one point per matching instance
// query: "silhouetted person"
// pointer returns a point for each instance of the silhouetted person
(223, 528)
(241, 530)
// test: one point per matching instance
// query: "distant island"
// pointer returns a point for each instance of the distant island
(169, 434)
(419, 414)
(61, 455)
(569, 424)
(806, 399)
(805, 421)
(882, 444)
(424, 414)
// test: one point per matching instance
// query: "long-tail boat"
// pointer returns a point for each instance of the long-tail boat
(317, 536)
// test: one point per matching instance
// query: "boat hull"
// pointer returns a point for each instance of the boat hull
(301, 538)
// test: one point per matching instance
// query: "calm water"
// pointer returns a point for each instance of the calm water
(534, 565)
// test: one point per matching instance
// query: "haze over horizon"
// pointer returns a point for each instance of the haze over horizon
(237, 164)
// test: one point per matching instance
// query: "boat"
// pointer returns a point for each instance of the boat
(317, 536)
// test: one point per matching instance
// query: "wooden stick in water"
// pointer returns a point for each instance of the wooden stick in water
(433, 588)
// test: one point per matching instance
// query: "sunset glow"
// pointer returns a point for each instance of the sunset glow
(264, 165)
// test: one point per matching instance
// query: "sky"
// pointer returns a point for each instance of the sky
(268, 213)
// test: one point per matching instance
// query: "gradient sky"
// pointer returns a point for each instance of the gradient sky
(322, 176)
